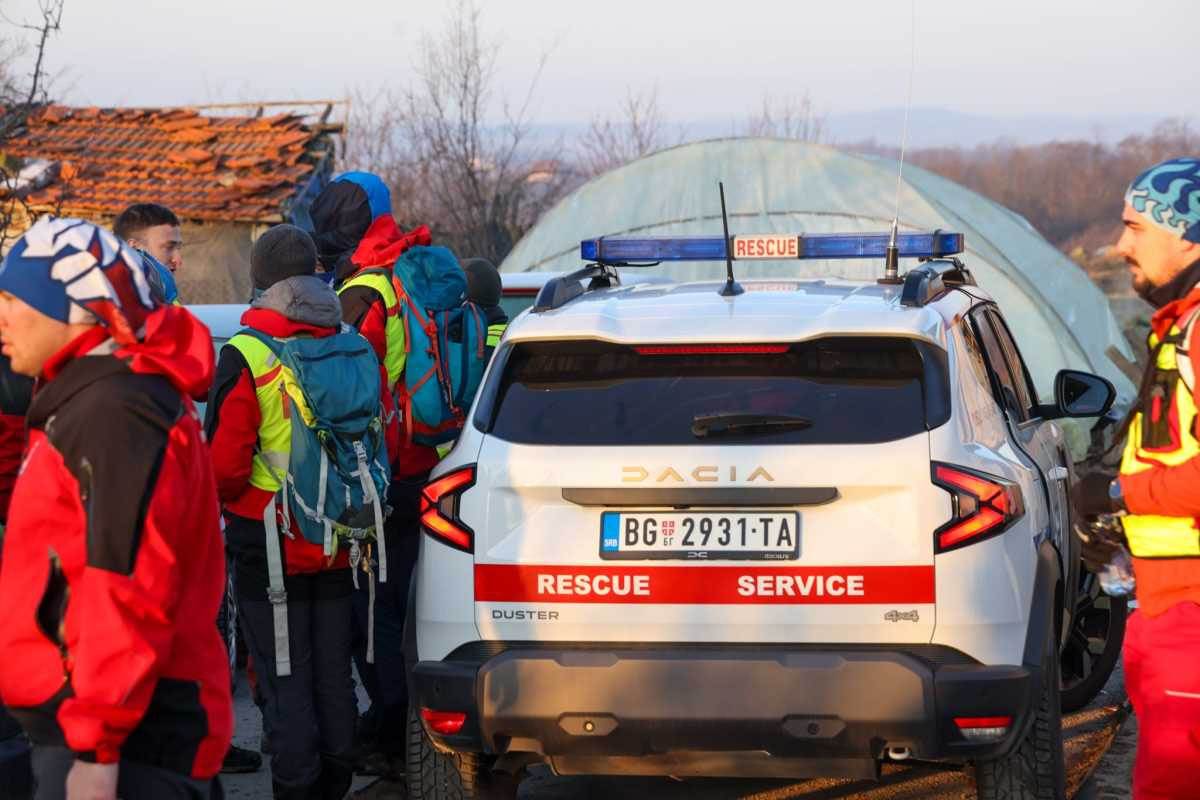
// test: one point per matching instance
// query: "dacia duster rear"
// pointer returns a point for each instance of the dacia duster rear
(771, 535)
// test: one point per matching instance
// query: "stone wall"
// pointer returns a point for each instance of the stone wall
(216, 263)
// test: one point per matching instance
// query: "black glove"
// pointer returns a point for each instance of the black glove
(1090, 497)
(1100, 539)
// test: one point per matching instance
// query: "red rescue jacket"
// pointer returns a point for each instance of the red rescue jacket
(234, 418)
(113, 565)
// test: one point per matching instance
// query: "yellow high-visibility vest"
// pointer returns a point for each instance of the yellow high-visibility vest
(381, 281)
(1163, 433)
(274, 385)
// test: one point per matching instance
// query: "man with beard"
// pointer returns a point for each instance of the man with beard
(1158, 487)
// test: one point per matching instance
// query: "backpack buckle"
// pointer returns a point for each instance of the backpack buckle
(277, 596)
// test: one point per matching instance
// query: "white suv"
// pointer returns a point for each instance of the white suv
(791, 532)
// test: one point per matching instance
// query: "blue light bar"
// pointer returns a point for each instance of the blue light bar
(874, 245)
(768, 246)
(653, 248)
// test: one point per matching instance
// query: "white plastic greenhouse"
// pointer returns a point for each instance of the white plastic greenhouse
(1060, 318)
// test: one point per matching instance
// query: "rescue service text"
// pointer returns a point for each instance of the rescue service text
(800, 585)
(747, 585)
(598, 585)
(766, 246)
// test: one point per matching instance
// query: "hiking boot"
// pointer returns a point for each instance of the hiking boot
(239, 760)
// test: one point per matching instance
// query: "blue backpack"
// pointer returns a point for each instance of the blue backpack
(446, 342)
(337, 475)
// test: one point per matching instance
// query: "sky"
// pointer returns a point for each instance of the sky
(1084, 58)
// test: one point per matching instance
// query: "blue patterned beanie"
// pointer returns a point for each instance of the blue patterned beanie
(1168, 195)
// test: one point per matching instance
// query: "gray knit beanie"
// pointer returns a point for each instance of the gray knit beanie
(282, 252)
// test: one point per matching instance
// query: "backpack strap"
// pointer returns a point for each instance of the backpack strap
(276, 592)
(322, 490)
(482, 330)
(1183, 358)
(466, 360)
(370, 492)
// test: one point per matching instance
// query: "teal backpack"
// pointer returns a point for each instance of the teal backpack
(446, 342)
(337, 475)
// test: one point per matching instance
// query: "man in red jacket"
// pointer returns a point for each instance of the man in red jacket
(359, 241)
(309, 714)
(112, 567)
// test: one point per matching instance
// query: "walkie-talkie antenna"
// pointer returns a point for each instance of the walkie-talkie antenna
(732, 288)
(891, 263)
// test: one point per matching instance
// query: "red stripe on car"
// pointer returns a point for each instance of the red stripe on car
(718, 585)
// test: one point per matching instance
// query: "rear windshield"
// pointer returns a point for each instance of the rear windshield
(826, 391)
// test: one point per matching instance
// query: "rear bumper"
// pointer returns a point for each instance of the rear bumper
(584, 708)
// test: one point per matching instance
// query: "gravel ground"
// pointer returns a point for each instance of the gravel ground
(257, 785)
(1089, 734)
(1114, 776)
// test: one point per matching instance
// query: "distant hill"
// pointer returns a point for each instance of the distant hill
(928, 127)
(939, 127)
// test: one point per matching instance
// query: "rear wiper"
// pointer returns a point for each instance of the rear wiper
(746, 424)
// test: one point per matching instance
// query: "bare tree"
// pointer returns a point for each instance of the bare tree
(638, 130)
(479, 185)
(373, 139)
(792, 117)
(21, 95)
(1070, 191)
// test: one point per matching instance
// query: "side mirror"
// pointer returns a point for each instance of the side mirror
(1079, 394)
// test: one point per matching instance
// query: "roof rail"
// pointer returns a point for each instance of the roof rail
(557, 292)
(932, 279)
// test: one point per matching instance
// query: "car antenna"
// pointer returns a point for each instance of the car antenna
(891, 260)
(732, 288)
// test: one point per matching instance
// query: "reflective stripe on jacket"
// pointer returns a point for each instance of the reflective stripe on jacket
(494, 332)
(1163, 434)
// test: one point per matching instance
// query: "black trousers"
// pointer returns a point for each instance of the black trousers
(309, 716)
(134, 781)
(386, 680)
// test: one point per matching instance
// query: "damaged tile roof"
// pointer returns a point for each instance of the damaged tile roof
(212, 168)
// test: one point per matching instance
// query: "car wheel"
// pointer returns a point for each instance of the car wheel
(1035, 769)
(434, 774)
(227, 624)
(1093, 644)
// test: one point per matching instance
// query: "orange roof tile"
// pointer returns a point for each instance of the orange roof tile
(203, 168)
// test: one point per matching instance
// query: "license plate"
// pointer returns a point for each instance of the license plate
(700, 535)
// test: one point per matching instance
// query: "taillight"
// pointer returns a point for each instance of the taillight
(983, 506)
(446, 723)
(439, 508)
(983, 728)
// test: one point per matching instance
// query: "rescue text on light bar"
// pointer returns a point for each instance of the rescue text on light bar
(768, 246)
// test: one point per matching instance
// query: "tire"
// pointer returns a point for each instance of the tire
(227, 624)
(1093, 645)
(434, 774)
(1035, 769)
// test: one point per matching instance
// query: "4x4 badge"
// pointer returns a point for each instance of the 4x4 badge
(902, 616)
